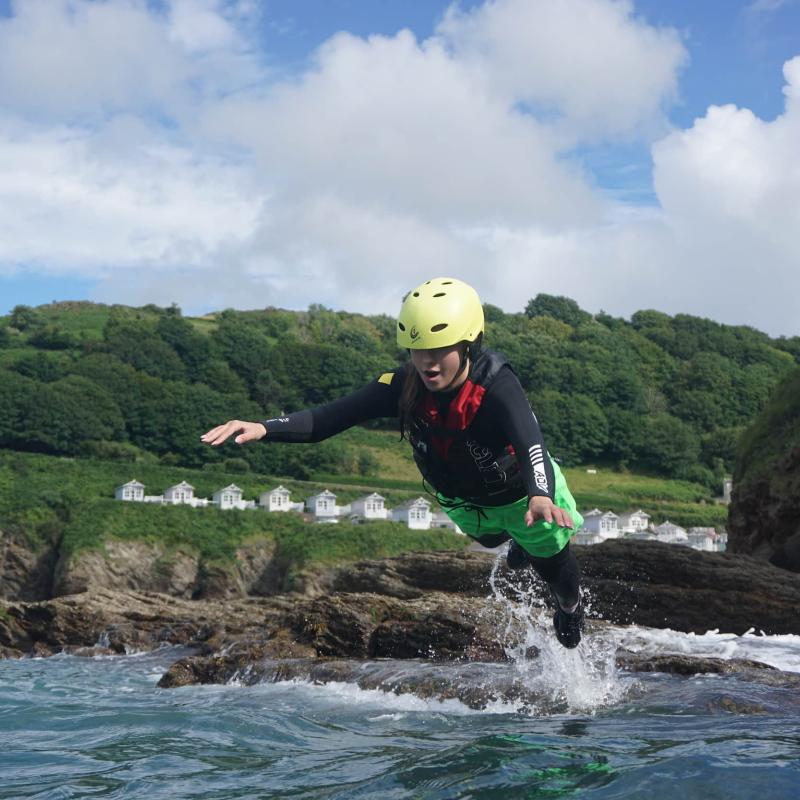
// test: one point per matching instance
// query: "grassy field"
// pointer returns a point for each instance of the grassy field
(47, 499)
(215, 535)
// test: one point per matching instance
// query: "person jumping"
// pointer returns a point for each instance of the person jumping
(474, 436)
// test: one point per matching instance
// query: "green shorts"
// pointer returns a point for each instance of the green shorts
(543, 539)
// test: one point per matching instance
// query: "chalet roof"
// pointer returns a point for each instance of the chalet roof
(596, 512)
(182, 485)
(327, 493)
(133, 484)
(231, 487)
(419, 501)
(373, 496)
(280, 490)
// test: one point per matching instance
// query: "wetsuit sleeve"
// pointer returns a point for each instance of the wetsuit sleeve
(510, 406)
(378, 398)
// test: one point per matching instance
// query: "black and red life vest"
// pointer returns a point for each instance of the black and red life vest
(448, 456)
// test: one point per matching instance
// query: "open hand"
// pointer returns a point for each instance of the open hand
(544, 508)
(248, 432)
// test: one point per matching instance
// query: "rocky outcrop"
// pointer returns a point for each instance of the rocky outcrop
(669, 586)
(353, 625)
(145, 567)
(647, 583)
(421, 604)
(121, 565)
(25, 573)
(764, 517)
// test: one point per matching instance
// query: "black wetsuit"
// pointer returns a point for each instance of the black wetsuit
(499, 458)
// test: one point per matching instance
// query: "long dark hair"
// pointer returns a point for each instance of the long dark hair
(410, 397)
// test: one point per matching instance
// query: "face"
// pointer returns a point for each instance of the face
(438, 367)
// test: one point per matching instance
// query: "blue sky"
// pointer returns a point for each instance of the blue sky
(250, 155)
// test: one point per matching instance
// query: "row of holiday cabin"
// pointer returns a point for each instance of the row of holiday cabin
(417, 514)
(601, 525)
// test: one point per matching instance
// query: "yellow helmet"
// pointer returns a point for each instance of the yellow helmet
(439, 313)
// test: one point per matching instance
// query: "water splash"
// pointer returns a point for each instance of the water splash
(581, 680)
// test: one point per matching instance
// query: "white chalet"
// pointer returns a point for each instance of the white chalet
(132, 490)
(702, 539)
(606, 524)
(439, 519)
(279, 499)
(230, 497)
(371, 506)
(670, 533)
(415, 513)
(180, 493)
(634, 521)
(586, 537)
(323, 506)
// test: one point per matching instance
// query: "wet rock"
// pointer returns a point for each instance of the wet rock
(764, 515)
(731, 705)
(669, 586)
(120, 565)
(25, 573)
(476, 686)
(682, 664)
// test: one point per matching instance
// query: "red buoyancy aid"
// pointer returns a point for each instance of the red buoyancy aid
(434, 435)
(460, 413)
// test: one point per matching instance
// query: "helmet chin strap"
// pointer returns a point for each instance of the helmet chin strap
(464, 363)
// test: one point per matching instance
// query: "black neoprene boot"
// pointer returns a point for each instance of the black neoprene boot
(568, 625)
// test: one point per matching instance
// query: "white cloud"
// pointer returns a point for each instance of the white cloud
(593, 63)
(76, 201)
(71, 59)
(393, 123)
(152, 150)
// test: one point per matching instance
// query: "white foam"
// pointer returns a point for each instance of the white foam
(585, 678)
(352, 694)
(780, 651)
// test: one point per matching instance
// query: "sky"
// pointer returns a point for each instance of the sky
(629, 154)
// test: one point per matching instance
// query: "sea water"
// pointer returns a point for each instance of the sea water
(74, 727)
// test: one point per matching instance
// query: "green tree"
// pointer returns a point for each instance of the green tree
(574, 426)
(24, 318)
(60, 417)
(192, 347)
(244, 347)
(138, 344)
(42, 367)
(52, 337)
(557, 307)
(667, 445)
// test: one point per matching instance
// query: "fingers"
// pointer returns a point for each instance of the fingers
(548, 512)
(216, 436)
(563, 519)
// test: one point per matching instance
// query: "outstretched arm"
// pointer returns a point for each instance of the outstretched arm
(376, 399)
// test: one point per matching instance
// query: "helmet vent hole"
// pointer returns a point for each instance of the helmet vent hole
(401, 326)
(446, 283)
(440, 294)
(440, 327)
(416, 294)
